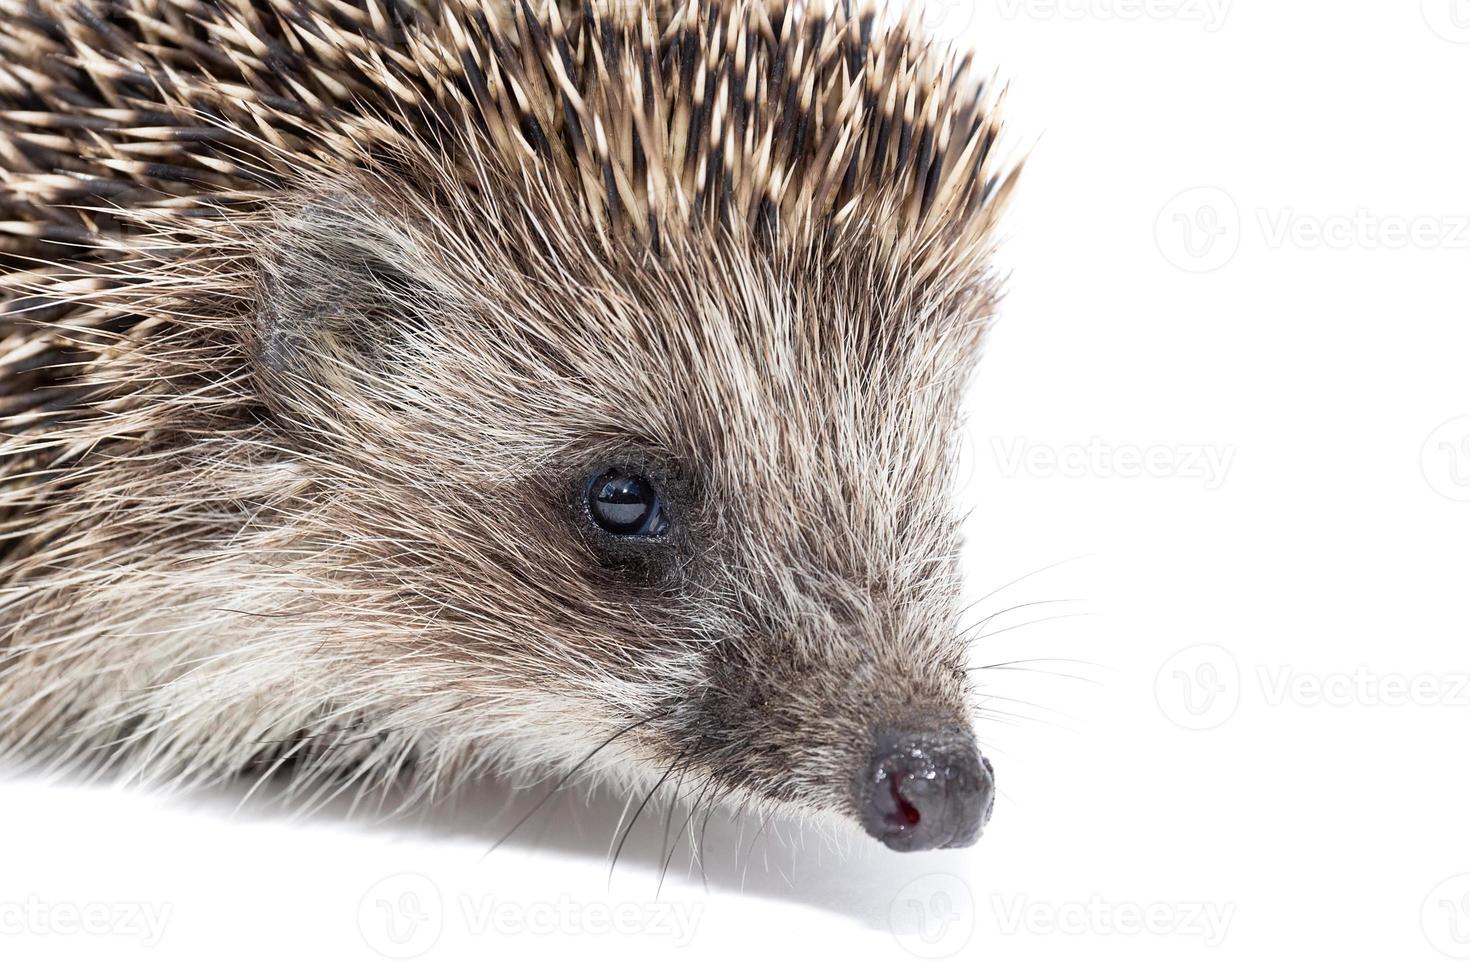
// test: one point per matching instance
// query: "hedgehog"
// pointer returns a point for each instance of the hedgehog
(402, 393)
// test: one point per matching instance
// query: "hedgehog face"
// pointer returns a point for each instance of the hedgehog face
(707, 499)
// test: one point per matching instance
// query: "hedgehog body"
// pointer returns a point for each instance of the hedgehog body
(317, 317)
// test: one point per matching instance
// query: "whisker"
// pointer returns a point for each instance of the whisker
(1049, 673)
(1039, 660)
(668, 825)
(1017, 581)
(674, 849)
(1010, 609)
(567, 777)
(1034, 622)
(638, 813)
(750, 851)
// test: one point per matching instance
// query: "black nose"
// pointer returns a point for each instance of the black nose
(921, 792)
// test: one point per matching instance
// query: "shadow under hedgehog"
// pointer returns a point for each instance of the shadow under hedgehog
(397, 391)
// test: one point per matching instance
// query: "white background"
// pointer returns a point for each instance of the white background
(1258, 762)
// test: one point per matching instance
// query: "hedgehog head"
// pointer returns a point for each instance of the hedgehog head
(615, 363)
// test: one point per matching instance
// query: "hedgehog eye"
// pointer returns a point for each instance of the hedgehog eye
(626, 504)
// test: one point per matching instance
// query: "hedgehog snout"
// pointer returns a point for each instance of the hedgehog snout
(923, 791)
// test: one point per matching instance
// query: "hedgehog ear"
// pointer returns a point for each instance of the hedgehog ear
(338, 301)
